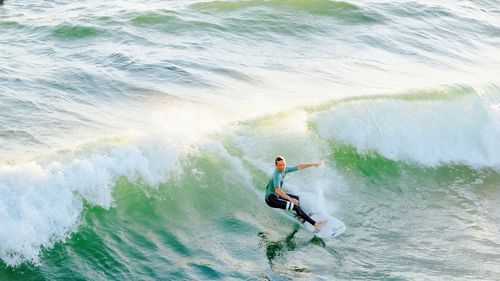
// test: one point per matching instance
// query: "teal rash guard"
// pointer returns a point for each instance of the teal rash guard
(276, 181)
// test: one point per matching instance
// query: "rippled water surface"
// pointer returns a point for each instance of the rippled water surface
(137, 138)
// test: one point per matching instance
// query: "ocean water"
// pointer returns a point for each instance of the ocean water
(137, 138)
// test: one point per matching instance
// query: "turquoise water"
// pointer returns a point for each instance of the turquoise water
(137, 137)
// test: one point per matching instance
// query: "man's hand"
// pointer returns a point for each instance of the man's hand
(295, 201)
(320, 164)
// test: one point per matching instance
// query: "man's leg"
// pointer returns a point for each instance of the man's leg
(301, 219)
(301, 214)
(275, 202)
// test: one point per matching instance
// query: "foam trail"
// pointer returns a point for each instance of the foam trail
(431, 132)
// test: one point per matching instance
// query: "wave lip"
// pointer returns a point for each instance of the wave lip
(430, 131)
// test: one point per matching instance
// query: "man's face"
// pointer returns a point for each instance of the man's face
(281, 165)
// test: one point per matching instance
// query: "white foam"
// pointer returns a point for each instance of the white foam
(36, 209)
(41, 201)
(462, 130)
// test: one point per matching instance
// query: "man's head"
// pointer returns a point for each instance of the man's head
(280, 163)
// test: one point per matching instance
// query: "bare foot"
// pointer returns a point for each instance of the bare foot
(320, 224)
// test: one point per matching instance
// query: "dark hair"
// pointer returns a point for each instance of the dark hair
(279, 158)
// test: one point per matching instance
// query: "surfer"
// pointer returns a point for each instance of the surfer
(277, 198)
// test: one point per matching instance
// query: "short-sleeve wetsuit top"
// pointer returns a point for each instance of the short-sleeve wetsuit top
(277, 180)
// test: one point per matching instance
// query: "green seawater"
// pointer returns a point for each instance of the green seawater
(404, 222)
(137, 139)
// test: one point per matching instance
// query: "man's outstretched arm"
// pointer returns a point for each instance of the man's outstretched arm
(307, 165)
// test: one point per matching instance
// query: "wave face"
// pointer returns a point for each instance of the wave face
(136, 139)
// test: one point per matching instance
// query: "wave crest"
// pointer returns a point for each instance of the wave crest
(437, 129)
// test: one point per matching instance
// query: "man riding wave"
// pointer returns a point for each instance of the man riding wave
(277, 198)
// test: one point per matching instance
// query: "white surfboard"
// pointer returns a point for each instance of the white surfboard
(333, 228)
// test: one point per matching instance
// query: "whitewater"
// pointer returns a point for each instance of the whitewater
(137, 138)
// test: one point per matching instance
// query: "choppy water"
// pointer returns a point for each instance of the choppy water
(136, 139)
